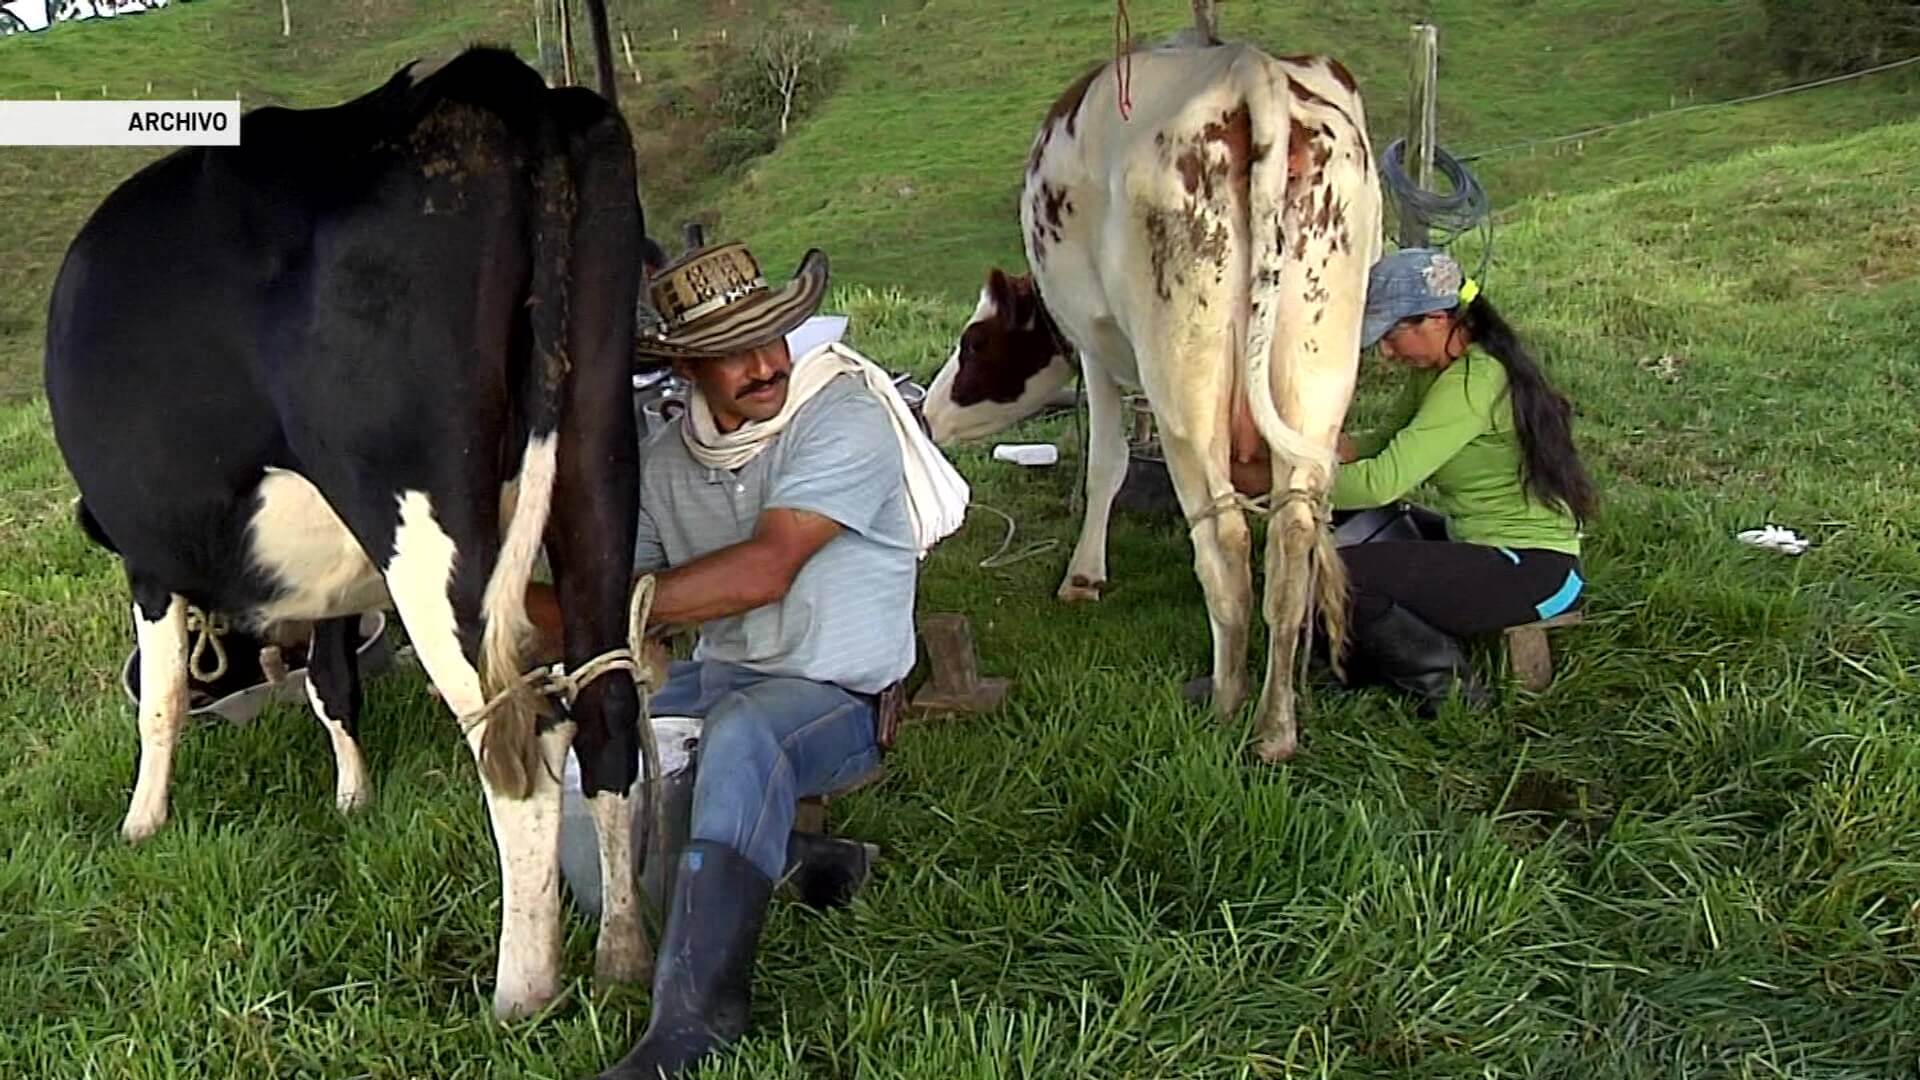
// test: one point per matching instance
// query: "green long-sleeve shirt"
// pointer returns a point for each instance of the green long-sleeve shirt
(1454, 431)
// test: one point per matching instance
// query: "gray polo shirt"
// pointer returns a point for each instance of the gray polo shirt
(848, 618)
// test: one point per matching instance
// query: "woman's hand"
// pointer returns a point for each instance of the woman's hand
(1344, 446)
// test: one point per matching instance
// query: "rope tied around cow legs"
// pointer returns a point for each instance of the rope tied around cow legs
(557, 682)
(1264, 506)
(208, 629)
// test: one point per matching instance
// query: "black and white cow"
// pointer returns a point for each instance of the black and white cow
(389, 358)
(1210, 248)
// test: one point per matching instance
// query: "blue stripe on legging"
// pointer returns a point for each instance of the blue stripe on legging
(1562, 600)
(1511, 554)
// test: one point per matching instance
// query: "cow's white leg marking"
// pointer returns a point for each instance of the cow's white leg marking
(163, 713)
(351, 789)
(621, 954)
(526, 831)
(1106, 470)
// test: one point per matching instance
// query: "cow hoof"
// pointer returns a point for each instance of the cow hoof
(512, 1007)
(352, 800)
(613, 967)
(134, 830)
(1275, 749)
(1080, 590)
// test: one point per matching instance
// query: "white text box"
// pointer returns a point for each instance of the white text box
(119, 123)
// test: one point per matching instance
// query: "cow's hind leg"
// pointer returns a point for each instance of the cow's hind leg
(1190, 385)
(591, 532)
(422, 580)
(160, 628)
(333, 689)
(1106, 467)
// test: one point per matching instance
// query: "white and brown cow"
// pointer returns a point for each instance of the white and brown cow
(1210, 249)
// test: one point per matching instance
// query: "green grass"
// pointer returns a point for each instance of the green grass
(1695, 856)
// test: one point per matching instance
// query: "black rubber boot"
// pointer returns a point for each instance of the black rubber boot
(703, 974)
(1401, 649)
(826, 871)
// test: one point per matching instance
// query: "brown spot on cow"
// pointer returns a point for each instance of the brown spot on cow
(1322, 148)
(1056, 207)
(1159, 253)
(1177, 240)
(1305, 94)
(1040, 143)
(1341, 75)
(1234, 132)
(1196, 173)
(1050, 204)
(1065, 107)
(1309, 97)
(1299, 146)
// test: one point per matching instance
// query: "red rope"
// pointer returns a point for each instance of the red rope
(1123, 57)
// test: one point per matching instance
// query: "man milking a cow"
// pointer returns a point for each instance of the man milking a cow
(785, 514)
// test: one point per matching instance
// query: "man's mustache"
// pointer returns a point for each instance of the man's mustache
(756, 387)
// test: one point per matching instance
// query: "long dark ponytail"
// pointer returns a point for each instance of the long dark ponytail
(1550, 467)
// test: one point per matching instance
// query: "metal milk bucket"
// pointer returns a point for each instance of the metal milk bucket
(580, 839)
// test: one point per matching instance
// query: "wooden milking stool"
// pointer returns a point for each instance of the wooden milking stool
(1529, 655)
(955, 684)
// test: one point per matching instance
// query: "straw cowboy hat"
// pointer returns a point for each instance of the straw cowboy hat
(715, 302)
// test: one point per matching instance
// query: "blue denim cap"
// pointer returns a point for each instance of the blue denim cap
(1409, 282)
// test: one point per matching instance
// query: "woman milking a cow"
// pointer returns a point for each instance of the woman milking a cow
(1480, 426)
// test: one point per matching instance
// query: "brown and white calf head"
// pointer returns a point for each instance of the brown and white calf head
(1010, 359)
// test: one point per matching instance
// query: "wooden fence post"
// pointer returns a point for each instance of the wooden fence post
(1203, 20)
(1423, 78)
(565, 23)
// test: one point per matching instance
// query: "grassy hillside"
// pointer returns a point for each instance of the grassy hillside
(907, 176)
(910, 175)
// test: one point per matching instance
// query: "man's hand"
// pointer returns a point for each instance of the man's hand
(658, 660)
(1344, 446)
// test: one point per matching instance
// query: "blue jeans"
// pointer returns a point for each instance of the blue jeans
(766, 742)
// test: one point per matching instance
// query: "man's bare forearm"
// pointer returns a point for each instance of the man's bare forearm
(726, 582)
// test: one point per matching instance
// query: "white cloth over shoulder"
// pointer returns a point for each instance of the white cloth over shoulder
(936, 493)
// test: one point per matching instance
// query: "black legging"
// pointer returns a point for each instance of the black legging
(1463, 589)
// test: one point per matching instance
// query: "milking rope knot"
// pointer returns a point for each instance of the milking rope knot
(209, 628)
(1263, 506)
(556, 681)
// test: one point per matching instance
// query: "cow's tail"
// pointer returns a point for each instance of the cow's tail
(1268, 99)
(509, 746)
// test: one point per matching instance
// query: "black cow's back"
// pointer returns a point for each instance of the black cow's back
(350, 277)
